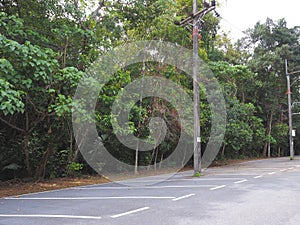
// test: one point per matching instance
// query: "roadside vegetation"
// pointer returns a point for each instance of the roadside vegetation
(46, 47)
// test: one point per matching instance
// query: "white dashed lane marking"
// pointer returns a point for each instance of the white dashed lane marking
(146, 187)
(218, 187)
(93, 198)
(236, 179)
(183, 197)
(191, 179)
(51, 216)
(241, 181)
(130, 212)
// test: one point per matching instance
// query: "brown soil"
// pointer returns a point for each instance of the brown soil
(230, 162)
(17, 187)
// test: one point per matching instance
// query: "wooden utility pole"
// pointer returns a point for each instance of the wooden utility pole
(197, 139)
(290, 108)
(290, 111)
(196, 20)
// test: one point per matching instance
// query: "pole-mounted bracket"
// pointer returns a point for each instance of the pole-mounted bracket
(198, 16)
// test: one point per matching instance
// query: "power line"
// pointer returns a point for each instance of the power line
(232, 25)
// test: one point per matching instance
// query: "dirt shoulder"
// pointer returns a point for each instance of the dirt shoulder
(18, 187)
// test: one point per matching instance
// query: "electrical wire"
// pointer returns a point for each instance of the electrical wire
(233, 26)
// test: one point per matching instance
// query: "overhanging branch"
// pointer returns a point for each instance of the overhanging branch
(11, 125)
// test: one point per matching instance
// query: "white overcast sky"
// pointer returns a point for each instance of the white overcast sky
(240, 15)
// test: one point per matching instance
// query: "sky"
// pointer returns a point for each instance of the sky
(239, 15)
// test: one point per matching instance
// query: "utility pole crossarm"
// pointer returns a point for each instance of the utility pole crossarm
(198, 15)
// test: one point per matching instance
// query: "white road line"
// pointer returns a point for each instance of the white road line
(51, 216)
(258, 177)
(218, 187)
(240, 181)
(145, 187)
(237, 174)
(257, 168)
(271, 173)
(192, 179)
(129, 212)
(297, 166)
(183, 197)
(283, 170)
(92, 198)
(291, 168)
(219, 178)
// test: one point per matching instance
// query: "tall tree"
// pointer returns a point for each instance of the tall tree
(40, 64)
(268, 45)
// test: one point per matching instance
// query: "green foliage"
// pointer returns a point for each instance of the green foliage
(280, 133)
(271, 43)
(10, 99)
(12, 166)
(42, 62)
(76, 167)
(198, 174)
(244, 130)
(36, 83)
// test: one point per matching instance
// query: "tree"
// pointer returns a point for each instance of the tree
(40, 70)
(244, 127)
(268, 45)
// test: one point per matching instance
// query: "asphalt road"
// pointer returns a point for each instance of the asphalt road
(256, 192)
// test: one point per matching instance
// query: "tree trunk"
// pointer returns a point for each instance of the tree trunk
(26, 151)
(267, 146)
(183, 158)
(161, 160)
(152, 157)
(70, 155)
(265, 149)
(155, 159)
(73, 156)
(40, 170)
(64, 59)
(136, 161)
(26, 139)
(223, 149)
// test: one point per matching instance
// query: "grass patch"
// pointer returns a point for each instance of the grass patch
(198, 174)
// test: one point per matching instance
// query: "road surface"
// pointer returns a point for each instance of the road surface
(255, 192)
